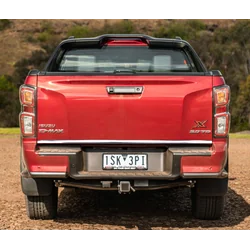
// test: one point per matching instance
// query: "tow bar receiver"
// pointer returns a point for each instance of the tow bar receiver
(125, 187)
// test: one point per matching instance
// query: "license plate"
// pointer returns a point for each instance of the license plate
(125, 161)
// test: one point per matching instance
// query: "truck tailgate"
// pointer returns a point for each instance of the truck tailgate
(80, 108)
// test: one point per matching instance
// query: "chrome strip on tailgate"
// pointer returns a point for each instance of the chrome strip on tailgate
(123, 142)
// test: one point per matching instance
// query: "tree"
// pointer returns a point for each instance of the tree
(242, 108)
(9, 103)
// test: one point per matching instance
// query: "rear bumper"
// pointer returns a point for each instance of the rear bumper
(170, 163)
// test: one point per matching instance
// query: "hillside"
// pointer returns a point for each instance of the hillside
(22, 37)
(222, 45)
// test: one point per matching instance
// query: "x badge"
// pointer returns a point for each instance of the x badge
(200, 124)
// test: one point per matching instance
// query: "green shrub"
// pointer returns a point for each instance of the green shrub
(44, 37)
(4, 24)
(186, 30)
(6, 84)
(122, 27)
(9, 103)
(46, 26)
(241, 109)
(79, 31)
(30, 39)
(195, 24)
(37, 60)
(46, 33)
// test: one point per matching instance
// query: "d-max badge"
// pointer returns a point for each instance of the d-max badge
(49, 128)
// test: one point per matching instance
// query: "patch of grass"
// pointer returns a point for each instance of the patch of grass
(4, 24)
(30, 39)
(79, 31)
(44, 36)
(239, 136)
(123, 27)
(46, 26)
(9, 131)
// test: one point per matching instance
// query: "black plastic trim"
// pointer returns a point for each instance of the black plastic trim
(216, 73)
(33, 72)
(177, 155)
(126, 74)
(151, 41)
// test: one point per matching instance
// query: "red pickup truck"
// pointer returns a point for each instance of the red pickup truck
(124, 113)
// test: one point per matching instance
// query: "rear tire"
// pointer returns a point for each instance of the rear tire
(42, 207)
(207, 207)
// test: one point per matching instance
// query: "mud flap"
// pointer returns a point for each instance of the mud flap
(37, 187)
(212, 187)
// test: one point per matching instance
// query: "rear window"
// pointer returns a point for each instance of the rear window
(113, 59)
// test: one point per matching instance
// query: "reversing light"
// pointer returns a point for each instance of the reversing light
(27, 123)
(222, 122)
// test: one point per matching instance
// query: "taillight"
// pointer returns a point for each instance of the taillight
(221, 123)
(27, 96)
(221, 110)
(27, 115)
(27, 123)
(221, 96)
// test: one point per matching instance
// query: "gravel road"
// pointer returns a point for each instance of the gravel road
(168, 209)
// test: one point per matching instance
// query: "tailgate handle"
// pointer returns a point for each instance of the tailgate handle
(124, 90)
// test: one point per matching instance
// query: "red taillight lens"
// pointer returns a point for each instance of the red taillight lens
(27, 116)
(27, 96)
(221, 110)
(221, 95)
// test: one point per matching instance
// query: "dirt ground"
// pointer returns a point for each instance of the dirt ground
(169, 209)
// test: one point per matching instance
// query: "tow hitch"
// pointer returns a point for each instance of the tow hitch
(125, 187)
